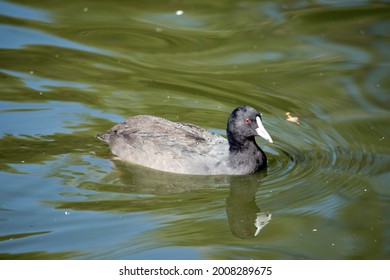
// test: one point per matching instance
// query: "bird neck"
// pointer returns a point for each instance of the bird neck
(239, 143)
(239, 149)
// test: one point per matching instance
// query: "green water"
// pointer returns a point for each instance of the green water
(72, 69)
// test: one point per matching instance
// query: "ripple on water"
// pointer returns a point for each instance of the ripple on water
(140, 37)
(320, 165)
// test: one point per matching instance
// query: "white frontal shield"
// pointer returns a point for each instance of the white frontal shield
(261, 130)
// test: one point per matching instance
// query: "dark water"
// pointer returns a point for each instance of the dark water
(71, 69)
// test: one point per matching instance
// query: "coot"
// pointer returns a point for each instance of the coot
(189, 149)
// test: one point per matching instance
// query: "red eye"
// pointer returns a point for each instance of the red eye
(247, 121)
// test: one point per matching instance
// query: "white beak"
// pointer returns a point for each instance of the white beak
(261, 130)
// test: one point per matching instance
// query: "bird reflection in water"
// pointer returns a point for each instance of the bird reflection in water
(244, 216)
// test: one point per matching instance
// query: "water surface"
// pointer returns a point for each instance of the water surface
(71, 69)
